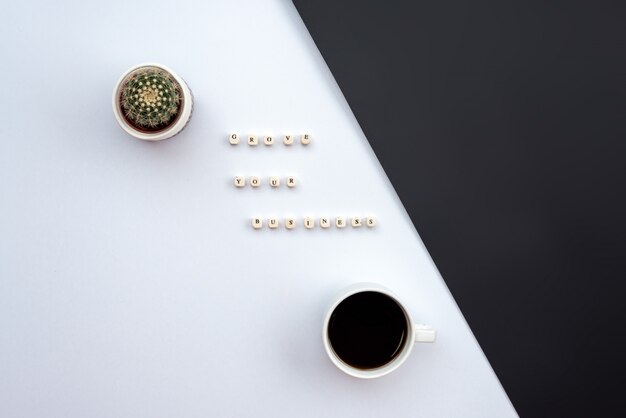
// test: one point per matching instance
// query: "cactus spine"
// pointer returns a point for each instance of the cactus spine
(151, 98)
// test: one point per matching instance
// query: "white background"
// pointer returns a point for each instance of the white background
(131, 282)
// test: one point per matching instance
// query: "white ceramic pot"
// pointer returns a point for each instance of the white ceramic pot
(174, 128)
(417, 333)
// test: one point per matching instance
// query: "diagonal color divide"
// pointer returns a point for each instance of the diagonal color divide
(501, 127)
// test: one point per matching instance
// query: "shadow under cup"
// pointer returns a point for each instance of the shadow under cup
(368, 330)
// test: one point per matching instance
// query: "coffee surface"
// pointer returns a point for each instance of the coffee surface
(367, 330)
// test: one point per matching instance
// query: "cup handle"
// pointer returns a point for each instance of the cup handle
(424, 333)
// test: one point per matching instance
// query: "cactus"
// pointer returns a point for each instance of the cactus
(151, 98)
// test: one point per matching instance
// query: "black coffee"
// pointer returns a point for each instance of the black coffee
(367, 330)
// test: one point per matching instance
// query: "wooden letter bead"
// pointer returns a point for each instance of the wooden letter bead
(233, 139)
(288, 139)
(257, 223)
(240, 181)
(268, 140)
(274, 181)
(272, 223)
(291, 181)
(255, 181)
(356, 222)
(305, 139)
(309, 223)
(325, 222)
(340, 222)
(253, 140)
(290, 223)
(370, 221)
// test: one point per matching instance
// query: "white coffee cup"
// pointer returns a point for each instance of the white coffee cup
(415, 333)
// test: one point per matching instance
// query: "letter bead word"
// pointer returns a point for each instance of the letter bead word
(309, 222)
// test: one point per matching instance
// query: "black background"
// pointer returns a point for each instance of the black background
(502, 128)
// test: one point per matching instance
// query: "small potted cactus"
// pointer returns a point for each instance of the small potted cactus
(151, 102)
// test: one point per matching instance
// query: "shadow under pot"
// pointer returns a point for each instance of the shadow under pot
(151, 102)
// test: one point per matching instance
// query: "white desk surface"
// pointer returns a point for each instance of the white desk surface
(131, 282)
